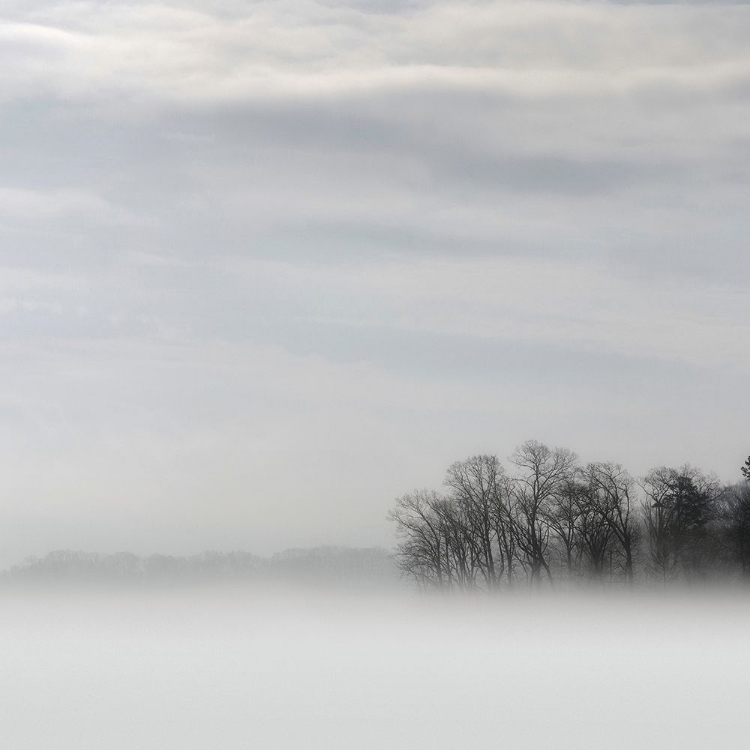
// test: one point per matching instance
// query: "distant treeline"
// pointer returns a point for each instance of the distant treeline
(552, 521)
(343, 566)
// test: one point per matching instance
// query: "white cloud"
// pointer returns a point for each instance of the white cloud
(302, 49)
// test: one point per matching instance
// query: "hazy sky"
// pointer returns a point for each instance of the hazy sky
(266, 265)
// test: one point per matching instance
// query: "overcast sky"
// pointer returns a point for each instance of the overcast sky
(264, 266)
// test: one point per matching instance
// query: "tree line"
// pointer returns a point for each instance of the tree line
(326, 565)
(550, 520)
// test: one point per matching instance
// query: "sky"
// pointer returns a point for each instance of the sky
(266, 266)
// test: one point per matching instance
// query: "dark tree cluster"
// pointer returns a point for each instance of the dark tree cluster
(550, 520)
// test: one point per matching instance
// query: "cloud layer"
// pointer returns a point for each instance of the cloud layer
(264, 266)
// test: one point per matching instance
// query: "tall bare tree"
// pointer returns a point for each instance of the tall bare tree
(461, 549)
(613, 498)
(541, 475)
(595, 533)
(564, 517)
(421, 548)
(477, 486)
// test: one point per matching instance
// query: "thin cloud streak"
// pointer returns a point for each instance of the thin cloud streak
(308, 50)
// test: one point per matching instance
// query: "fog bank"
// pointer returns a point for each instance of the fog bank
(230, 669)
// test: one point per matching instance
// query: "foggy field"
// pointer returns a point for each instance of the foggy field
(224, 668)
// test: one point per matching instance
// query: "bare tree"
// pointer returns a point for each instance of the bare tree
(595, 533)
(477, 487)
(420, 552)
(462, 553)
(552, 518)
(564, 517)
(613, 499)
(542, 473)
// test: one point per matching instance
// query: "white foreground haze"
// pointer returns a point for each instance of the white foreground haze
(228, 670)
(265, 266)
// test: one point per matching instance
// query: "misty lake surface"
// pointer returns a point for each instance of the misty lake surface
(231, 668)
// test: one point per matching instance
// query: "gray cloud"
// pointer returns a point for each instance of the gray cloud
(370, 237)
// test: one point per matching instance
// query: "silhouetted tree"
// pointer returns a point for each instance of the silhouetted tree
(679, 505)
(612, 495)
(543, 472)
(564, 517)
(595, 531)
(553, 519)
(746, 469)
(462, 550)
(477, 486)
(734, 533)
(421, 552)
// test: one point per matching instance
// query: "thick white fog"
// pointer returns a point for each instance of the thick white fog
(303, 670)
